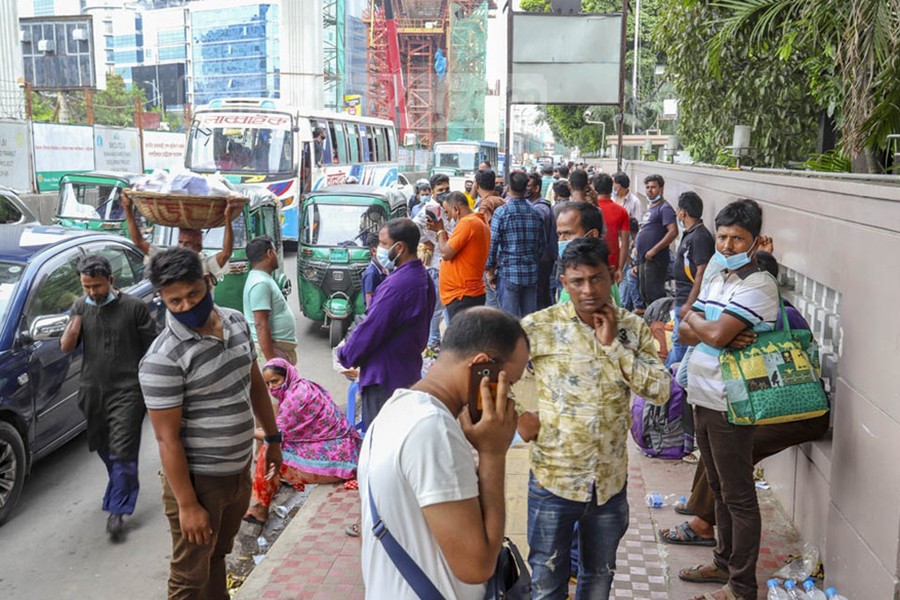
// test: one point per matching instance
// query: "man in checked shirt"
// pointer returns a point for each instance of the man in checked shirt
(588, 357)
(517, 243)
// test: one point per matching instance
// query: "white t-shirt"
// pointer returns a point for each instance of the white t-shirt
(419, 457)
(210, 262)
(752, 299)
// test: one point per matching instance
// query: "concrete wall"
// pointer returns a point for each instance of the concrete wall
(839, 245)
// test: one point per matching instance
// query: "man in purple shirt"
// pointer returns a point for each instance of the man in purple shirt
(387, 345)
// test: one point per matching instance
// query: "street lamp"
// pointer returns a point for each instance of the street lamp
(587, 119)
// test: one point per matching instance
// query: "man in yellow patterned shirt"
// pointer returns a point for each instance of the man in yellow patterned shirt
(588, 358)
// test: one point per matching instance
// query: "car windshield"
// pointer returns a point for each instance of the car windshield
(10, 274)
(90, 201)
(213, 239)
(341, 224)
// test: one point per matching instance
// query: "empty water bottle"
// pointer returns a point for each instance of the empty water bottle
(658, 500)
(832, 594)
(792, 591)
(775, 591)
(812, 592)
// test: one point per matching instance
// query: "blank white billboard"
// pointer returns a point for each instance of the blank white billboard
(560, 59)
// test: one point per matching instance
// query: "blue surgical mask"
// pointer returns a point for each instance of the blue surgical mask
(196, 316)
(425, 199)
(735, 261)
(109, 298)
(562, 246)
(655, 199)
(384, 258)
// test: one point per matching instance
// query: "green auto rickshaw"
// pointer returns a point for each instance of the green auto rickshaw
(332, 252)
(260, 216)
(92, 201)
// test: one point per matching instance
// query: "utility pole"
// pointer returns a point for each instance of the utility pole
(637, 60)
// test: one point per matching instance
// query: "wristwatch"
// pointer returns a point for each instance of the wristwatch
(273, 438)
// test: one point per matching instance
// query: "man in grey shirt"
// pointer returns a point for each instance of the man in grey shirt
(202, 388)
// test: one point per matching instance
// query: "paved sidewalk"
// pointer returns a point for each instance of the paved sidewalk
(314, 559)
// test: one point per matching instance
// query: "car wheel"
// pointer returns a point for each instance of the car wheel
(12, 469)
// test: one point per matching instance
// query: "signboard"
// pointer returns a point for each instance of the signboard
(238, 120)
(117, 149)
(58, 51)
(352, 105)
(582, 70)
(15, 171)
(61, 149)
(164, 150)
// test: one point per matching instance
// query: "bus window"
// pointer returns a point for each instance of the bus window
(339, 142)
(381, 150)
(353, 141)
(392, 144)
(372, 155)
(326, 154)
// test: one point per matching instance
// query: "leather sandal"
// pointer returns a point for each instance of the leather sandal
(684, 535)
(729, 595)
(695, 575)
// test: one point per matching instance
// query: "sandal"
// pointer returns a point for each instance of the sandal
(352, 530)
(249, 518)
(729, 595)
(682, 509)
(692, 458)
(695, 575)
(684, 535)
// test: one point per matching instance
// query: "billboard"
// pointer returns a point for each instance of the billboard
(164, 150)
(582, 70)
(61, 149)
(15, 171)
(58, 52)
(116, 149)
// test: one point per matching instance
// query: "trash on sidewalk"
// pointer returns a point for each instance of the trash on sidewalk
(658, 500)
(801, 567)
(258, 558)
(763, 485)
(262, 542)
(282, 511)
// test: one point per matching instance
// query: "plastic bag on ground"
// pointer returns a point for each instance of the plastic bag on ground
(801, 567)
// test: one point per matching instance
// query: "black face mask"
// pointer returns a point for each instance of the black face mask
(196, 316)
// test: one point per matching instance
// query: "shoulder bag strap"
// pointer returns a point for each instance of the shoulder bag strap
(408, 568)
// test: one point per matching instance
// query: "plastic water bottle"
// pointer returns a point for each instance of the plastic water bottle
(775, 591)
(812, 592)
(658, 500)
(832, 594)
(792, 591)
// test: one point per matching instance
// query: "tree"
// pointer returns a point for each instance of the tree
(112, 106)
(849, 51)
(741, 85)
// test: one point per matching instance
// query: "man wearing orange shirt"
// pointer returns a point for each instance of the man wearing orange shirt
(465, 253)
(618, 229)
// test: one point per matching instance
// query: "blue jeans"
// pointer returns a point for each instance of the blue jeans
(629, 291)
(678, 349)
(551, 520)
(434, 332)
(490, 295)
(517, 299)
(123, 486)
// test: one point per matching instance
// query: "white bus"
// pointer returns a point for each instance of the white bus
(459, 160)
(263, 142)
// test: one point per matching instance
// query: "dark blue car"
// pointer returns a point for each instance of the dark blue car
(38, 382)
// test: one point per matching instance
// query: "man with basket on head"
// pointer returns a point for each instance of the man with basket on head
(192, 239)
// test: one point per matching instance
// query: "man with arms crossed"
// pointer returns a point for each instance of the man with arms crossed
(447, 514)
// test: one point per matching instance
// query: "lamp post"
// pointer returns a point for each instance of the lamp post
(587, 119)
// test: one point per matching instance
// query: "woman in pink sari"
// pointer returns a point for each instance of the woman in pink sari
(319, 445)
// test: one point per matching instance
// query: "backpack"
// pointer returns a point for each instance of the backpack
(658, 430)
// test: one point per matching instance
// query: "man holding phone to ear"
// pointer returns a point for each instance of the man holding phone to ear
(588, 357)
(417, 469)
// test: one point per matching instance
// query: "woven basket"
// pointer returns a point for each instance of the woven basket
(183, 210)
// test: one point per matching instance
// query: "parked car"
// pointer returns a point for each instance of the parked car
(38, 381)
(12, 210)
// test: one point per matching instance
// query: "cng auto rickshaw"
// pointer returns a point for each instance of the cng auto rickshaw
(260, 216)
(92, 201)
(332, 252)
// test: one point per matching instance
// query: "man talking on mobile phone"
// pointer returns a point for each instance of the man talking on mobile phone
(417, 470)
(588, 357)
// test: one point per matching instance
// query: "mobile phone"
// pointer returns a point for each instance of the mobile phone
(477, 372)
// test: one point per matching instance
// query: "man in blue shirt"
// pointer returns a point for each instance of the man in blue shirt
(517, 244)
(387, 345)
(375, 273)
(658, 231)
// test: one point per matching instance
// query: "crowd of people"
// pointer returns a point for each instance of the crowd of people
(550, 273)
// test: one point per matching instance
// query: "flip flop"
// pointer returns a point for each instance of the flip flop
(352, 530)
(682, 509)
(253, 520)
(693, 575)
(683, 535)
(729, 595)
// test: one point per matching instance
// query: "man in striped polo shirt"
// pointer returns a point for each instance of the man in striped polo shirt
(202, 387)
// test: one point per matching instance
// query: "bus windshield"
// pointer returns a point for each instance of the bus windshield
(260, 144)
(456, 156)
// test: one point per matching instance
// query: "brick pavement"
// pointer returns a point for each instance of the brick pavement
(314, 559)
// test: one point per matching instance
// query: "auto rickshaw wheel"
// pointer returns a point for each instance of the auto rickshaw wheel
(336, 330)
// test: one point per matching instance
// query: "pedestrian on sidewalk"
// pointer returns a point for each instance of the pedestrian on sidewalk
(768, 440)
(418, 471)
(203, 388)
(733, 305)
(658, 230)
(464, 254)
(589, 357)
(319, 445)
(488, 206)
(547, 263)
(374, 274)
(517, 244)
(115, 330)
(272, 322)
(387, 345)
(618, 228)
(576, 220)
(432, 212)
(693, 255)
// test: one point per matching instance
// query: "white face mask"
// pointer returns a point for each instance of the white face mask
(384, 258)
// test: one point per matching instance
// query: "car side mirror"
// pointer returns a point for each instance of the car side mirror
(50, 327)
